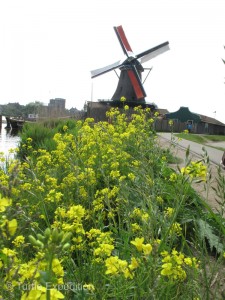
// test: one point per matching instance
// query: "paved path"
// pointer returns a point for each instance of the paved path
(215, 155)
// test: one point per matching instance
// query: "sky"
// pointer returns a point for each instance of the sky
(49, 47)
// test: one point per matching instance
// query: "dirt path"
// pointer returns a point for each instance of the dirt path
(205, 191)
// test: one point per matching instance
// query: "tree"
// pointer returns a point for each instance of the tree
(33, 107)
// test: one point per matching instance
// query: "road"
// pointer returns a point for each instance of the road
(215, 155)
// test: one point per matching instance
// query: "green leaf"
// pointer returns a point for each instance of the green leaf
(206, 232)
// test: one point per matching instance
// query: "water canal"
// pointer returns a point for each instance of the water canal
(9, 139)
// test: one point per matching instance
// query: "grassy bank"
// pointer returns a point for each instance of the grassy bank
(93, 211)
(203, 139)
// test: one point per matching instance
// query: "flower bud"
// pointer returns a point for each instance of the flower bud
(66, 246)
(40, 237)
(40, 244)
(66, 237)
(32, 240)
(47, 233)
(60, 236)
(55, 234)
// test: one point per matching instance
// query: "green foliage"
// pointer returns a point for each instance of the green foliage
(201, 138)
(18, 110)
(42, 134)
(197, 138)
(207, 232)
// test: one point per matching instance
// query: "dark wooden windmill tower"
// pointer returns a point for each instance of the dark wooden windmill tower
(130, 83)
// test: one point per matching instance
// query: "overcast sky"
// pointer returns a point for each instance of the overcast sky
(49, 47)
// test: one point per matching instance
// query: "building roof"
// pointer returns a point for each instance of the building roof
(210, 120)
(184, 114)
(162, 111)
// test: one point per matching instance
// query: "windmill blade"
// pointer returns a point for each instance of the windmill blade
(123, 41)
(136, 82)
(153, 52)
(106, 69)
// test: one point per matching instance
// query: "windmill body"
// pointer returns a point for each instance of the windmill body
(130, 83)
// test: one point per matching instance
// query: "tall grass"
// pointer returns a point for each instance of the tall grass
(93, 211)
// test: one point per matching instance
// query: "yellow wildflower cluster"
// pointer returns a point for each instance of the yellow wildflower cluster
(169, 211)
(116, 266)
(141, 247)
(174, 265)
(39, 292)
(101, 242)
(175, 229)
(7, 227)
(70, 220)
(140, 214)
(91, 206)
(195, 170)
(173, 177)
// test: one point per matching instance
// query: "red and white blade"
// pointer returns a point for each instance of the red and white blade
(123, 41)
(136, 83)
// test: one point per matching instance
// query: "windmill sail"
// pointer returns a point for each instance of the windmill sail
(123, 41)
(106, 69)
(151, 53)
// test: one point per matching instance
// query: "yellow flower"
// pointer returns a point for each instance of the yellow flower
(18, 240)
(176, 229)
(159, 199)
(104, 250)
(8, 252)
(12, 226)
(57, 268)
(167, 269)
(138, 243)
(90, 287)
(145, 217)
(115, 266)
(169, 211)
(33, 294)
(147, 249)
(39, 293)
(135, 227)
(112, 265)
(134, 263)
(4, 202)
(115, 174)
(195, 170)
(173, 263)
(173, 177)
(131, 176)
(188, 261)
(55, 295)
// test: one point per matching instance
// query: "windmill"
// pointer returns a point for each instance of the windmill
(130, 83)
